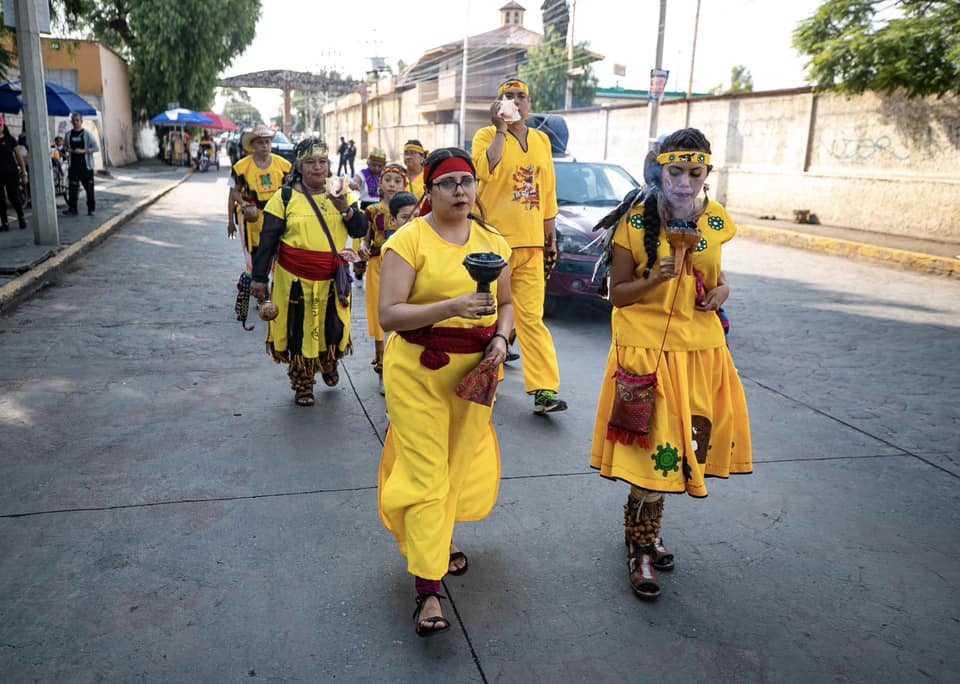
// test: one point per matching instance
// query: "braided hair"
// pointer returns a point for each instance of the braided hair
(654, 203)
(431, 162)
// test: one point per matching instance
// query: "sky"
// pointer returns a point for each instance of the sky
(752, 33)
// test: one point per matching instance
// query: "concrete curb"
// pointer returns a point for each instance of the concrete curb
(899, 258)
(14, 292)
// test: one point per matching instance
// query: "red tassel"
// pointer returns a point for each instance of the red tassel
(626, 437)
(434, 359)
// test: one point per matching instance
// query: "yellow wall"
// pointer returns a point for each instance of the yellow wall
(82, 55)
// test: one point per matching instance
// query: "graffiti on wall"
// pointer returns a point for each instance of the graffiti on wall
(851, 147)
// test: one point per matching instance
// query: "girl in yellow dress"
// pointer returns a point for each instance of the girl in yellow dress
(392, 180)
(665, 321)
(441, 460)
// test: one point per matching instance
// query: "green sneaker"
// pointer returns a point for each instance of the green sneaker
(546, 401)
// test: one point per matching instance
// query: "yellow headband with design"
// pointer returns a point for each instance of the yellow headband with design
(315, 150)
(512, 84)
(684, 157)
(413, 147)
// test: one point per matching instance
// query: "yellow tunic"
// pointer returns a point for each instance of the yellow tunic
(304, 231)
(700, 426)
(521, 192)
(441, 459)
(415, 185)
(380, 224)
(262, 183)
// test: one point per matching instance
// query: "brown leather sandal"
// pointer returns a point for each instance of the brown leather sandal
(330, 374)
(304, 398)
(663, 559)
(643, 578)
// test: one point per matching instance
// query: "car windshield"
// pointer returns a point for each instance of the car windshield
(592, 185)
(279, 137)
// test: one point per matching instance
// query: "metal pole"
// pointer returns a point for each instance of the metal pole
(568, 99)
(34, 92)
(463, 80)
(655, 105)
(693, 50)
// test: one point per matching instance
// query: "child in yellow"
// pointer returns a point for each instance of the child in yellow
(518, 184)
(393, 179)
(441, 460)
(667, 323)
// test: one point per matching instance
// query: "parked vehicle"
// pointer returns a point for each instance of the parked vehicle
(283, 146)
(586, 191)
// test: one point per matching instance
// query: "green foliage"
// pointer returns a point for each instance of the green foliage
(545, 71)
(176, 50)
(741, 81)
(239, 109)
(906, 46)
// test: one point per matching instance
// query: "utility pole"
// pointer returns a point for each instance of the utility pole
(655, 103)
(34, 93)
(693, 50)
(463, 79)
(568, 99)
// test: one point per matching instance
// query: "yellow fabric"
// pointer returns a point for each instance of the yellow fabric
(643, 323)
(684, 156)
(372, 290)
(431, 478)
(415, 185)
(262, 182)
(303, 231)
(540, 368)
(701, 426)
(521, 192)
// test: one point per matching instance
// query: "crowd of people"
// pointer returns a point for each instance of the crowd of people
(671, 411)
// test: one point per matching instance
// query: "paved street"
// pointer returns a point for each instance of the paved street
(168, 515)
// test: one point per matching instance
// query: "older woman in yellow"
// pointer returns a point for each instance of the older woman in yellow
(666, 323)
(441, 460)
(413, 156)
(393, 179)
(306, 230)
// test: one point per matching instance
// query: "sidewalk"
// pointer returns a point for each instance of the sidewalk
(897, 251)
(26, 267)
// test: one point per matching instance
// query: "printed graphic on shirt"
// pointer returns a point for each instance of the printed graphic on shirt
(266, 181)
(525, 188)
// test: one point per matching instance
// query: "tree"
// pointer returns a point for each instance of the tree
(888, 46)
(741, 81)
(238, 107)
(545, 71)
(176, 50)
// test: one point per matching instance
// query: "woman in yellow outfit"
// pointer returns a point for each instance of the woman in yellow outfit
(441, 459)
(393, 179)
(306, 230)
(413, 156)
(667, 323)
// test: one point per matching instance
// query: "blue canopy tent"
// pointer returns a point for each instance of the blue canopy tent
(181, 117)
(61, 101)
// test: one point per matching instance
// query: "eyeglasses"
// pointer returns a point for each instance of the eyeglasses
(450, 185)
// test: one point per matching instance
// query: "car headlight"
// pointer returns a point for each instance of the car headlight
(572, 241)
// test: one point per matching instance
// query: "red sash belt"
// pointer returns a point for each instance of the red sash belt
(439, 341)
(304, 263)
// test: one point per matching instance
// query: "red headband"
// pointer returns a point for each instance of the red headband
(448, 165)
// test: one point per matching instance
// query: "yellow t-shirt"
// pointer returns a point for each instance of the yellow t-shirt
(521, 192)
(381, 223)
(415, 185)
(441, 274)
(642, 324)
(303, 229)
(263, 182)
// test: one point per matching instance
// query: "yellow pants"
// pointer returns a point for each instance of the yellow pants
(373, 299)
(432, 477)
(540, 369)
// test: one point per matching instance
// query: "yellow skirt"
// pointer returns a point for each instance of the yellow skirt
(441, 460)
(700, 423)
(373, 299)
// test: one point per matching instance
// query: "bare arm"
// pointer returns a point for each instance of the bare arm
(497, 347)
(396, 283)
(625, 289)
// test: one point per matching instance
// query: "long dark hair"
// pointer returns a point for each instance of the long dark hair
(440, 155)
(654, 204)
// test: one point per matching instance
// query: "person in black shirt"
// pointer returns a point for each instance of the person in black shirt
(82, 146)
(12, 166)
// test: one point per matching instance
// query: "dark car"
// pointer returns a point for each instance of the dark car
(283, 147)
(586, 191)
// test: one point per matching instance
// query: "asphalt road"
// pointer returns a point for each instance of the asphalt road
(167, 514)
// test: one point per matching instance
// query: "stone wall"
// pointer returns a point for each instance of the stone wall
(868, 162)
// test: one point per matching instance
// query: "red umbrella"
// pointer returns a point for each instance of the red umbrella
(220, 123)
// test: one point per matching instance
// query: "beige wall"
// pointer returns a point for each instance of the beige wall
(868, 162)
(117, 113)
